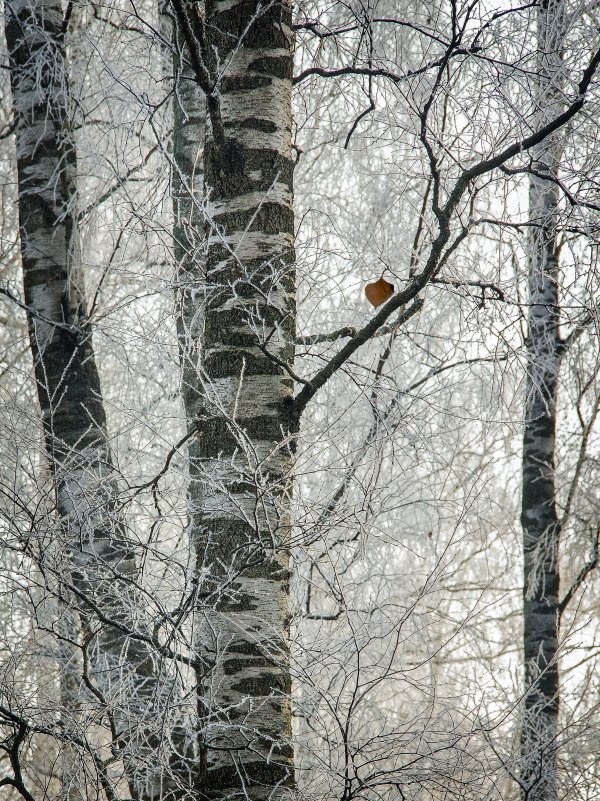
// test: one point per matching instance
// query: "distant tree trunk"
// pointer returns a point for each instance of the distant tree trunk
(189, 125)
(99, 562)
(242, 306)
(540, 521)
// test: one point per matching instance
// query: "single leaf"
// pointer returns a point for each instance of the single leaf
(379, 291)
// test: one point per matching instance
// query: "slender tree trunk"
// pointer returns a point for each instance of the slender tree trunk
(189, 126)
(98, 572)
(541, 524)
(241, 308)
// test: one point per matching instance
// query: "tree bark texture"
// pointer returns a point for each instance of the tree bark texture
(187, 189)
(96, 564)
(539, 517)
(241, 308)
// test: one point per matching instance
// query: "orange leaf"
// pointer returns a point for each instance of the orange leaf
(379, 291)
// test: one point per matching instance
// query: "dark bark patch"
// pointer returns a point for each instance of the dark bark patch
(69, 392)
(235, 665)
(262, 773)
(256, 124)
(241, 603)
(243, 83)
(279, 66)
(235, 363)
(227, 169)
(217, 437)
(247, 648)
(268, 217)
(261, 685)
(266, 31)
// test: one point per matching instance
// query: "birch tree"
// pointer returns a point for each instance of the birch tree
(354, 441)
(234, 282)
(242, 454)
(541, 525)
(93, 563)
(545, 517)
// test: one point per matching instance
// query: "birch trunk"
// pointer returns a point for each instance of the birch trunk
(97, 570)
(540, 521)
(189, 116)
(241, 304)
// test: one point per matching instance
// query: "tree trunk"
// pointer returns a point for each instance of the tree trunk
(540, 521)
(189, 118)
(241, 306)
(95, 563)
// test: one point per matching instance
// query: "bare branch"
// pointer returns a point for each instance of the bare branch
(375, 72)
(362, 336)
(196, 44)
(581, 576)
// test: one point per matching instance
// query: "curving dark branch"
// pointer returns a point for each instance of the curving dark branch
(379, 72)
(581, 576)
(193, 35)
(12, 745)
(439, 251)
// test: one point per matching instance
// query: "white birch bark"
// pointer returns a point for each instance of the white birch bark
(241, 303)
(95, 566)
(189, 116)
(541, 525)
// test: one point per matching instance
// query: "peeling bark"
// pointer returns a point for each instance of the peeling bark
(539, 517)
